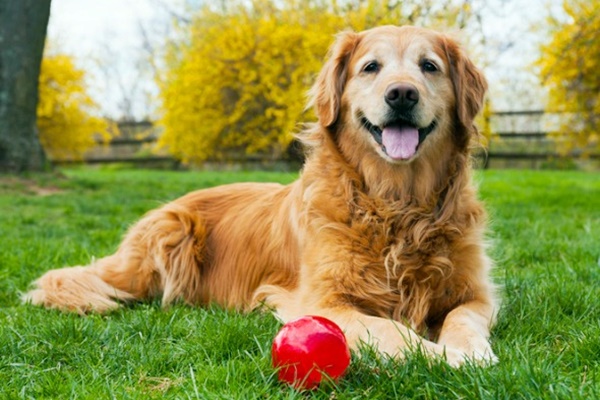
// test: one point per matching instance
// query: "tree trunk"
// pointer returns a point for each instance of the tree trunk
(23, 26)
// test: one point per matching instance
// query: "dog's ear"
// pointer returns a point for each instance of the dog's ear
(469, 83)
(326, 93)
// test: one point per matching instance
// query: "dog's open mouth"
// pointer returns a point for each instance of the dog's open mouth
(399, 139)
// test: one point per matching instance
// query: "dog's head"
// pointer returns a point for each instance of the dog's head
(397, 89)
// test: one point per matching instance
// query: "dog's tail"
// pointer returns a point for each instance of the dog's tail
(161, 255)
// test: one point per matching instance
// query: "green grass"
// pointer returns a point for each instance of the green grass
(546, 240)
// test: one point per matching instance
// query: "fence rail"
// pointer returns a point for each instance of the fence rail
(519, 141)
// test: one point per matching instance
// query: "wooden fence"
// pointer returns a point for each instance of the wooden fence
(520, 140)
(136, 144)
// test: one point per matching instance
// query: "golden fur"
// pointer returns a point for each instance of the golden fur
(390, 249)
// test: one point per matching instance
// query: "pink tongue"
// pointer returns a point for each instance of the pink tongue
(400, 142)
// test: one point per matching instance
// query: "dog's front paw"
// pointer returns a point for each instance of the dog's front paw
(476, 350)
(454, 358)
(483, 357)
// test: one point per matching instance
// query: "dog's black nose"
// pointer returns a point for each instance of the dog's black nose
(401, 96)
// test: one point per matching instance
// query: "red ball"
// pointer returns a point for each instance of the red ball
(307, 348)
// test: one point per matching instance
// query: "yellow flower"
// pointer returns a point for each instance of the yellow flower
(65, 117)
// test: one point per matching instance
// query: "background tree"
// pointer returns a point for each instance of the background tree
(66, 113)
(23, 26)
(569, 65)
(237, 81)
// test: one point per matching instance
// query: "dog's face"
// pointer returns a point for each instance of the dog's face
(398, 90)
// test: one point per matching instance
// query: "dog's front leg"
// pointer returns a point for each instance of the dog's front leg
(467, 328)
(385, 335)
(389, 337)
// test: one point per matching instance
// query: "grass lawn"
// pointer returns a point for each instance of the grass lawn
(546, 240)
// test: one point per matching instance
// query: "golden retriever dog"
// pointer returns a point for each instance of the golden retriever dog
(382, 232)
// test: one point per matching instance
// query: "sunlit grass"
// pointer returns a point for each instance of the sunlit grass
(546, 240)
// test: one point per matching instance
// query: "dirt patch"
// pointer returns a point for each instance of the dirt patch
(19, 185)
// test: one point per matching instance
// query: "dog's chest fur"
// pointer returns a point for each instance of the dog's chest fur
(403, 255)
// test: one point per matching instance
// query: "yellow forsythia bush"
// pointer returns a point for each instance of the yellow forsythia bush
(238, 82)
(66, 123)
(569, 67)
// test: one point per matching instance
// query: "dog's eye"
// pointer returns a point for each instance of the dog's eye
(428, 66)
(371, 67)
